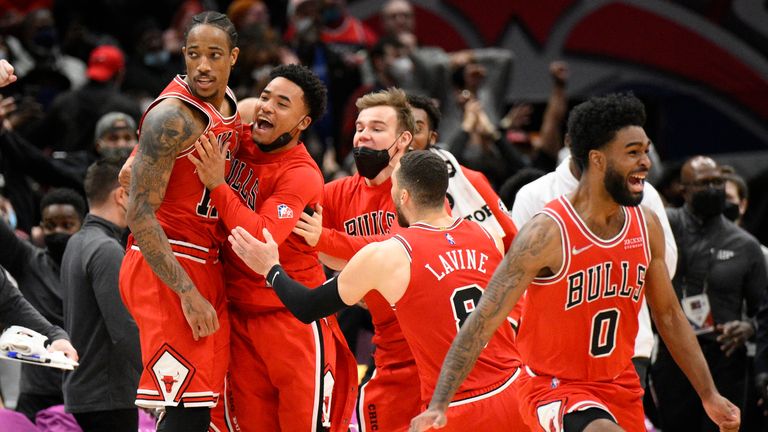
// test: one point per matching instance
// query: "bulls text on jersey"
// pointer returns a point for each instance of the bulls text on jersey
(588, 285)
(372, 223)
(244, 183)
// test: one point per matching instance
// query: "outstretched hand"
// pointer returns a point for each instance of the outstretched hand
(723, 413)
(310, 226)
(211, 164)
(432, 418)
(258, 255)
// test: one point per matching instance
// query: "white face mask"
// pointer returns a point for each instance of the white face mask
(402, 70)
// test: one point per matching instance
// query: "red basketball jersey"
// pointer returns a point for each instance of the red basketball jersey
(581, 323)
(355, 208)
(186, 213)
(450, 268)
(269, 190)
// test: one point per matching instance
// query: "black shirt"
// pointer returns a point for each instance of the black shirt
(722, 257)
(16, 310)
(103, 332)
(38, 277)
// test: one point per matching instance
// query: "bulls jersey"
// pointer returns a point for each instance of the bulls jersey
(581, 323)
(186, 213)
(355, 208)
(450, 268)
(269, 190)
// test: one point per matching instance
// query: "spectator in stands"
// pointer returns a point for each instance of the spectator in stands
(101, 392)
(719, 271)
(37, 273)
(70, 123)
(21, 164)
(152, 64)
(36, 54)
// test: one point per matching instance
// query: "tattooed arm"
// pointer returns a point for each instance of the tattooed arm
(168, 128)
(536, 251)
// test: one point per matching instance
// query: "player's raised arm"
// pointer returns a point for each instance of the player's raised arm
(536, 251)
(676, 332)
(166, 130)
(381, 266)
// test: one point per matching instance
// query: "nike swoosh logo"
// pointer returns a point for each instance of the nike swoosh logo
(272, 282)
(575, 251)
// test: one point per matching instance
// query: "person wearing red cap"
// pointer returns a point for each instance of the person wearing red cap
(71, 121)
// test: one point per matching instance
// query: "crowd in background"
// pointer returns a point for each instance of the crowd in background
(86, 72)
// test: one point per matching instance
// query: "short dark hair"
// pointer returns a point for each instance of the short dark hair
(215, 19)
(64, 196)
(101, 179)
(594, 123)
(425, 176)
(378, 49)
(315, 92)
(428, 105)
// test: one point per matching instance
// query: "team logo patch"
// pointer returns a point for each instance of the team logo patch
(450, 239)
(328, 383)
(284, 212)
(172, 373)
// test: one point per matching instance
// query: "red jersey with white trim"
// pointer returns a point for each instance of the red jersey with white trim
(355, 208)
(450, 268)
(269, 190)
(186, 213)
(581, 323)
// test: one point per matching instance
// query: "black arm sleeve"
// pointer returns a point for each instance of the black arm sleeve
(306, 304)
(16, 310)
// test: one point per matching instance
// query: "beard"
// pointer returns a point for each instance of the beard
(616, 185)
(401, 219)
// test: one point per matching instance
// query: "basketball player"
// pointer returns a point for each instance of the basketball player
(432, 274)
(470, 195)
(171, 279)
(361, 205)
(588, 259)
(273, 178)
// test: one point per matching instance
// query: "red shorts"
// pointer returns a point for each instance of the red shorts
(176, 367)
(494, 409)
(287, 375)
(546, 400)
(390, 399)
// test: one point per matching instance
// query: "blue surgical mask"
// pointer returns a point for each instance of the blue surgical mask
(10, 217)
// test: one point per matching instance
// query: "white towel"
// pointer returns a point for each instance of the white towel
(465, 199)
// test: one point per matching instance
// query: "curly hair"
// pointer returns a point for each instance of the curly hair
(315, 93)
(425, 103)
(215, 19)
(594, 123)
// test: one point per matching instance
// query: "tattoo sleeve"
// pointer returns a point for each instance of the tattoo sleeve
(167, 129)
(522, 263)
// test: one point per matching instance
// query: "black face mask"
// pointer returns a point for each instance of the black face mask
(708, 203)
(371, 162)
(731, 211)
(56, 243)
(280, 141)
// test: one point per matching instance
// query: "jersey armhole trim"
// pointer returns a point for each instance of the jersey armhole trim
(565, 246)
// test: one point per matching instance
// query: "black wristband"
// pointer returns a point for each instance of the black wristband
(273, 272)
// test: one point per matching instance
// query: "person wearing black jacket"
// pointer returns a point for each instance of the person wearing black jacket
(101, 392)
(16, 310)
(37, 272)
(720, 269)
